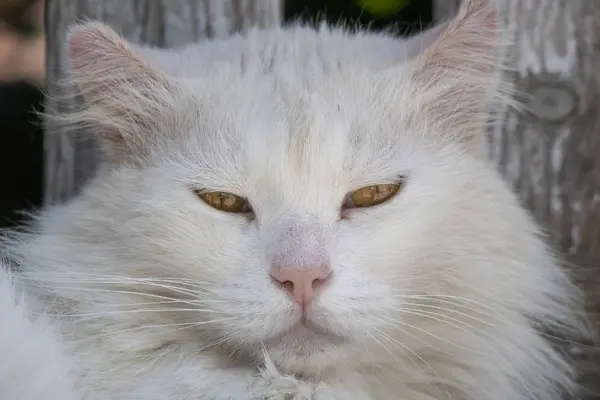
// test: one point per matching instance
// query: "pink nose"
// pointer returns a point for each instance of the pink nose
(302, 284)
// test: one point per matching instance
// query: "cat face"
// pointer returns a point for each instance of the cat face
(292, 138)
(298, 194)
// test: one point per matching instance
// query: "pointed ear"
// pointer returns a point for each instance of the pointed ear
(417, 43)
(122, 94)
(458, 76)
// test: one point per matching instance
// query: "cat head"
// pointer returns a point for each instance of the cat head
(307, 201)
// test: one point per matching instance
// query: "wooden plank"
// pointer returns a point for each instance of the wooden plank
(444, 9)
(71, 157)
(550, 150)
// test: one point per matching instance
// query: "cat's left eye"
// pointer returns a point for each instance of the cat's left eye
(370, 196)
(223, 201)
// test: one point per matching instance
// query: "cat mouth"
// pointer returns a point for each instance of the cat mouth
(310, 333)
(307, 324)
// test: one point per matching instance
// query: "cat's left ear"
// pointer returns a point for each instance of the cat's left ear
(126, 99)
(457, 77)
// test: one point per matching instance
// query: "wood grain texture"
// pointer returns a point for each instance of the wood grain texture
(71, 158)
(443, 9)
(550, 150)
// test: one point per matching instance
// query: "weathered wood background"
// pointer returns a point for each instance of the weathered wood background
(550, 152)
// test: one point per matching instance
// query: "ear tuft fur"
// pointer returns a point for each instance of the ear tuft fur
(123, 95)
(459, 76)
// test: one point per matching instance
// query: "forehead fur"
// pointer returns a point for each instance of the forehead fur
(314, 100)
(278, 120)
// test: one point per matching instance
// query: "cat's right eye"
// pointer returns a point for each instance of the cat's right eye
(223, 201)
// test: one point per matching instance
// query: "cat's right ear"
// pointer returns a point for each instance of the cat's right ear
(417, 43)
(123, 95)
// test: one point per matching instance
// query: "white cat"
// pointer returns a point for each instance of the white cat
(296, 214)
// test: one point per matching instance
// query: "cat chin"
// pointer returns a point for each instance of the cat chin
(299, 352)
(306, 339)
(306, 349)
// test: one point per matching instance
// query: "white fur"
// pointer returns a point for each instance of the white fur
(435, 294)
(33, 364)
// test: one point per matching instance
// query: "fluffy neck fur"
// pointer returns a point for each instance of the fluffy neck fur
(438, 293)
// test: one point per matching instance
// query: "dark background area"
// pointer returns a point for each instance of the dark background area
(21, 150)
(21, 137)
(411, 18)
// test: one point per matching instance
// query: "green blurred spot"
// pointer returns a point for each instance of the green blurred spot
(382, 8)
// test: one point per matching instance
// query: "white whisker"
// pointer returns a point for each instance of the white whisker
(396, 343)
(157, 326)
(121, 312)
(444, 319)
(119, 292)
(393, 323)
(481, 309)
(128, 282)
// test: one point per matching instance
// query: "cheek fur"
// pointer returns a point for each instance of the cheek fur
(377, 262)
(223, 259)
(259, 310)
(364, 286)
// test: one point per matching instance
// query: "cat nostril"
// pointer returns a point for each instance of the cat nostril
(288, 286)
(301, 284)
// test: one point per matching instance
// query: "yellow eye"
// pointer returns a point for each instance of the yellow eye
(370, 196)
(225, 201)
